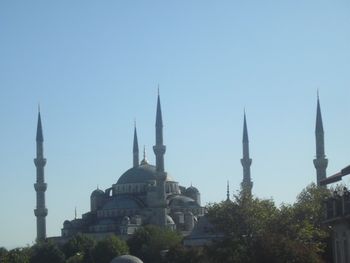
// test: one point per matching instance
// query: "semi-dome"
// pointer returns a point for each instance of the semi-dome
(140, 174)
(126, 259)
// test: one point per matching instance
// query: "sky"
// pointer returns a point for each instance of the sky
(94, 67)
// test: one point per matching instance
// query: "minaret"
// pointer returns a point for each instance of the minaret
(135, 149)
(40, 185)
(159, 151)
(246, 184)
(320, 162)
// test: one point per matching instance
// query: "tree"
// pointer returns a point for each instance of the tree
(46, 252)
(108, 248)
(77, 258)
(181, 254)
(79, 247)
(17, 255)
(3, 253)
(257, 231)
(149, 242)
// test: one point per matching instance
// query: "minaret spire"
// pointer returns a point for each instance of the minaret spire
(159, 148)
(39, 129)
(159, 151)
(135, 149)
(228, 191)
(40, 185)
(246, 161)
(320, 162)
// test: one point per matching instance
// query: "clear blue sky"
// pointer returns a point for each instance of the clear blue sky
(94, 66)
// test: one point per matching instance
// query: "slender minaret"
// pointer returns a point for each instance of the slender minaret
(320, 162)
(135, 149)
(159, 151)
(246, 184)
(40, 185)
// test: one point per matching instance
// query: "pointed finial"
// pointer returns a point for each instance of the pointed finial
(158, 89)
(144, 161)
(245, 129)
(75, 213)
(135, 148)
(39, 129)
(228, 190)
(39, 107)
(159, 120)
(135, 123)
(319, 123)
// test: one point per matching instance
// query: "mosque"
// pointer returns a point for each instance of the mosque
(144, 194)
(147, 194)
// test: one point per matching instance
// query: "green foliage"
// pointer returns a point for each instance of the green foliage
(108, 248)
(149, 242)
(181, 254)
(254, 231)
(257, 231)
(77, 258)
(17, 255)
(3, 253)
(46, 252)
(79, 247)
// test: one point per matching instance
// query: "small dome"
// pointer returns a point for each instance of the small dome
(126, 259)
(67, 224)
(97, 192)
(191, 189)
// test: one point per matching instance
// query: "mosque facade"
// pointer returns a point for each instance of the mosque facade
(147, 194)
(144, 194)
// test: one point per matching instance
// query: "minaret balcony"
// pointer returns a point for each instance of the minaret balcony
(246, 161)
(321, 163)
(40, 187)
(40, 212)
(159, 149)
(39, 162)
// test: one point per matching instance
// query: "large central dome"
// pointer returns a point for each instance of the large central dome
(140, 174)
